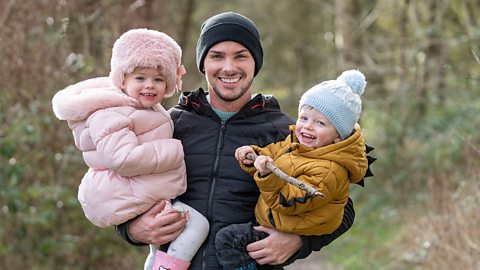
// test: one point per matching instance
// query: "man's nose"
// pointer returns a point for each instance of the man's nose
(229, 63)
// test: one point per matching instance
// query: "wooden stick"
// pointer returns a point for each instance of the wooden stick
(287, 178)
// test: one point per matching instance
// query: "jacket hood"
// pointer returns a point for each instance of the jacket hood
(78, 101)
(197, 101)
(349, 153)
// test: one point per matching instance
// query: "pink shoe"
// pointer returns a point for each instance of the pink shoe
(163, 261)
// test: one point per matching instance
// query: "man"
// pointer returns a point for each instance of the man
(211, 126)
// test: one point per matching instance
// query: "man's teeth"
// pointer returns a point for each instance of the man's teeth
(230, 80)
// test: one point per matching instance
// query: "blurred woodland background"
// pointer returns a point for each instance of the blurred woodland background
(421, 113)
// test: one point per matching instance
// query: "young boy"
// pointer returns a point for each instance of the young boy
(325, 150)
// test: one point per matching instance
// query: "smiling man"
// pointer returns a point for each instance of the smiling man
(229, 69)
(211, 125)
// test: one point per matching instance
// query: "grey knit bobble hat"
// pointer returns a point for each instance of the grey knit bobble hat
(338, 100)
(229, 26)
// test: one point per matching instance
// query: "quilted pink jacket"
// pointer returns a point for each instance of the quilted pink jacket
(133, 160)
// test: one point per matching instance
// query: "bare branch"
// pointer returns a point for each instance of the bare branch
(6, 11)
(287, 178)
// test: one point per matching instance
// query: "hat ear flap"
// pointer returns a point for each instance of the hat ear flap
(121, 84)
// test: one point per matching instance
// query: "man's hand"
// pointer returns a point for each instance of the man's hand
(276, 248)
(157, 227)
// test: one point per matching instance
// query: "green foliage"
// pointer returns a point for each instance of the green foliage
(420, 113)
(377, 222)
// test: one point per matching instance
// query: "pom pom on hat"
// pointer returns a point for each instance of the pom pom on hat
(338, 100)
(354, 79)
(145, 48)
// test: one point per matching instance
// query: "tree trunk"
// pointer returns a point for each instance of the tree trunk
(348, 16)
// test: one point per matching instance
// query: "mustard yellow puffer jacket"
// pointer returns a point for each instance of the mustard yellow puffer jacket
(329, 169)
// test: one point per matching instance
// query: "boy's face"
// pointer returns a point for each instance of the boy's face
(146, 85)
(313, 129)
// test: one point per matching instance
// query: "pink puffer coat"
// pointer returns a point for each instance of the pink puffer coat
(133, 160)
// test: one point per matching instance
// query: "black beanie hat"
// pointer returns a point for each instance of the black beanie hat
(229, 26)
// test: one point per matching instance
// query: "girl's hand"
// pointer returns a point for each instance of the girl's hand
(241, 153)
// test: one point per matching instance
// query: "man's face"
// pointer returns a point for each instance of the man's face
(229, 70)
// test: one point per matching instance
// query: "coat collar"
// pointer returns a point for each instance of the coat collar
(197, 101)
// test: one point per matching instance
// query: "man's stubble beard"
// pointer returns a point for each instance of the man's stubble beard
(229, 99)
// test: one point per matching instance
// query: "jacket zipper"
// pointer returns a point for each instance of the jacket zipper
(212, 186)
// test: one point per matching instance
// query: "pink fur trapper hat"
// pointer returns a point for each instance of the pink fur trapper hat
(144, 48)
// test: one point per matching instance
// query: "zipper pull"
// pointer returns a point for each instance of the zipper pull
(222, 134)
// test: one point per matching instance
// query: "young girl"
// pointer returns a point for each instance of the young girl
(126, 139)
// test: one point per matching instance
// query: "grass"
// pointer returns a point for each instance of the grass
(439, 231)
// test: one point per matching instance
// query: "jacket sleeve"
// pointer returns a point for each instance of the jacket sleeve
(265, 151)
(316, 243)
(291, 200)
(122, 231)
(272, 150)
(119, 148)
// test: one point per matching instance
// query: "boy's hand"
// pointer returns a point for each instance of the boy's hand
(241, 153)
(261, 165)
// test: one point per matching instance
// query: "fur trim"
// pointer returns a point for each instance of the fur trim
(78, 101)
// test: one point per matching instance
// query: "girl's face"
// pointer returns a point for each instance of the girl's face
(146, 85)
(313, 129)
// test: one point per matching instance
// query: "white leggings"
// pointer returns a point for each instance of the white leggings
(189, 241)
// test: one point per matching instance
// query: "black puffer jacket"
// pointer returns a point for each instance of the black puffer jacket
(216, 185)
